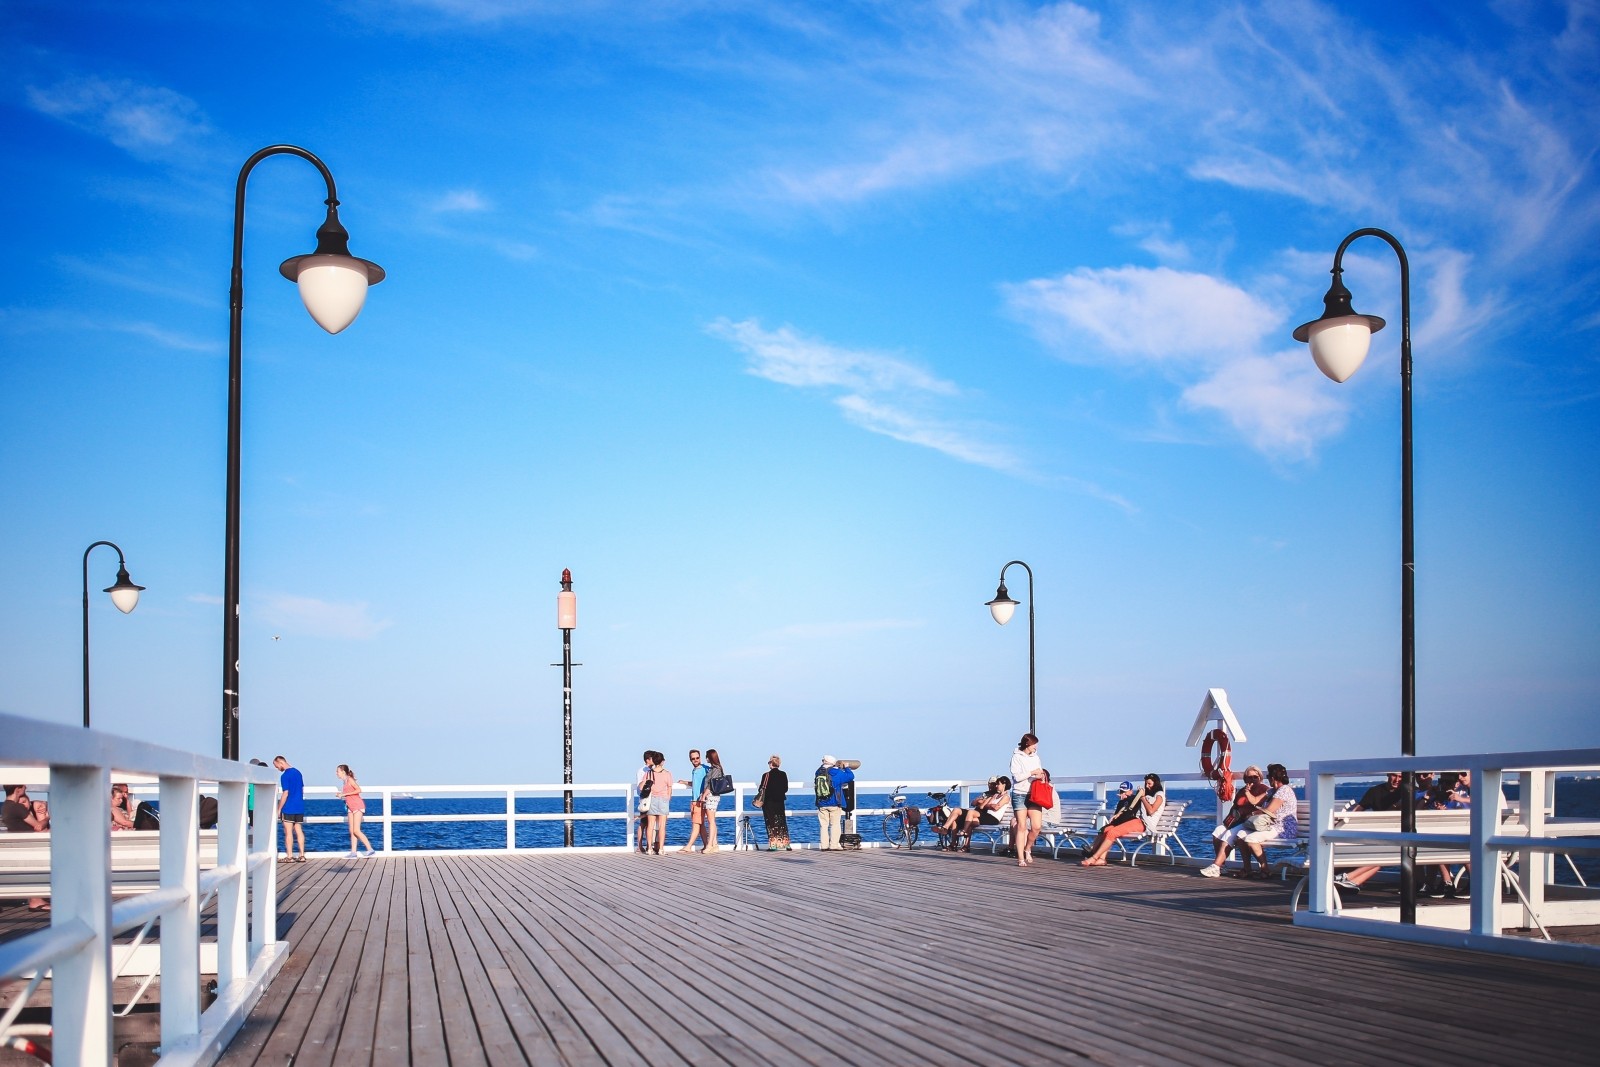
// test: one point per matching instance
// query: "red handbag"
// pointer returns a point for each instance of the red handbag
(1041, 794)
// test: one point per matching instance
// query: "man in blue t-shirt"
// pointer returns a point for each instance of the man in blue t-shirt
(697, 808)
(291, 808)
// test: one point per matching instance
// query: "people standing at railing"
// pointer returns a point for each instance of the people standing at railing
(1136, 813)
(1253, 791)
(710, 800)
(697, 806)
(1274, 819)
(291, 808)
(121, 807)
(770, 797)
(660, 801)
(20, 815)
(355, 808)
(828, 788)
(1025, 767)
(641, 839)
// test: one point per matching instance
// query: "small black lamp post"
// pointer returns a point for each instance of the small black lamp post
(124, 594)
(333, 285)
(1002, 607)
(1339, 341)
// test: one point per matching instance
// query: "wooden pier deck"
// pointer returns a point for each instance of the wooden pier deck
(876, 957)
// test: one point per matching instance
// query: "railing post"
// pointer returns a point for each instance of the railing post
(388, 823)
(232, 959)
(1320, 811)
(1484, 820)
(180, 926)
(80, 891)
(511, 820)
(1535, 866)
(264, 879)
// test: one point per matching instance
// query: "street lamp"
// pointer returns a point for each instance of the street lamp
(566, 621)
(124, 594)
(1339, 340)
(333, 286)
(1002, 607)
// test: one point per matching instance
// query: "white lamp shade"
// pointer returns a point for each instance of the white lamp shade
(1002, 610)
(566, 610)
(125, 597)
(1340, 345)
(333, 289)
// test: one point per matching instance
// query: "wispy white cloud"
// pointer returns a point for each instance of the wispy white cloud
(784, 356)
(1209, 337)
(148, 121)
(321, 618)
(461, 201)
(56, 321)
(883, 394)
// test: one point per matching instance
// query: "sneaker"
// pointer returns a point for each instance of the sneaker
(1210, 870)
(1343, 882)
(352, 855)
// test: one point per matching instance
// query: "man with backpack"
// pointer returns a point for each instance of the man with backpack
(829, 786)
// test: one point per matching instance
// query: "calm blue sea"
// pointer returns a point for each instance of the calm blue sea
(1574, 797)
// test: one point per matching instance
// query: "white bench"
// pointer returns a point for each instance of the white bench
(135, 861)
(1074, 826)
(1454, 822)
(1164, 831)
(1068, 821)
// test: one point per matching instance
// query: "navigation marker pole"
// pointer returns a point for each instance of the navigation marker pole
(567, 621)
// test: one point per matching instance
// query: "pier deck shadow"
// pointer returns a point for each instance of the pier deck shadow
(863, 958)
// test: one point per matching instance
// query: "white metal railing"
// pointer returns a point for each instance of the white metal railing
(76, 949)
(1518, 853)
(735, 805)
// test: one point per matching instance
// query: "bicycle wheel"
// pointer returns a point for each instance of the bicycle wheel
(912, 832)
(894, 829)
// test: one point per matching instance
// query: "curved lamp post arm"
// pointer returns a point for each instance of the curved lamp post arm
(124, 594)
(1001, 608)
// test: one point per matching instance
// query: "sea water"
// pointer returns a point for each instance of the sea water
(1578, 798)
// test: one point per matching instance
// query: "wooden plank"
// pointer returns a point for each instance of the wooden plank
(520, 959)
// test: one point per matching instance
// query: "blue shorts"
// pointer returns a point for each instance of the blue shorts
(660, 805)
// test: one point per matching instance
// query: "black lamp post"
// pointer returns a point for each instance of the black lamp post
(566, 621)
(124, 594)
(333, 285)
(1339, 341)
(1001, 607)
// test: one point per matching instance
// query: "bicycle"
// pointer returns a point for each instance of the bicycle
(903, 822)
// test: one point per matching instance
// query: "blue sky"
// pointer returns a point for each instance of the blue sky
(784, 327)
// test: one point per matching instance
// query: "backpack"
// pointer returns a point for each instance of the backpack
(823, 787)
(644, 787)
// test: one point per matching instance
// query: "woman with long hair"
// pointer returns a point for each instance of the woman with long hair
(355, 808)
(660, 802)
(1025, 767)
(1275, 818)
(1137, 811)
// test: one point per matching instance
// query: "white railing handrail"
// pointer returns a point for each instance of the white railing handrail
(77, 946)
(1536, 839)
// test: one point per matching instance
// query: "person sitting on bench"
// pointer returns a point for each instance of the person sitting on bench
(1137, 811)
(1226, 835)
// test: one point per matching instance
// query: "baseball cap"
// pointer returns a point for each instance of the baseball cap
(828, 761)
(1126, 785)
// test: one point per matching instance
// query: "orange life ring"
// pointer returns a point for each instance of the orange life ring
(1220, 770)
